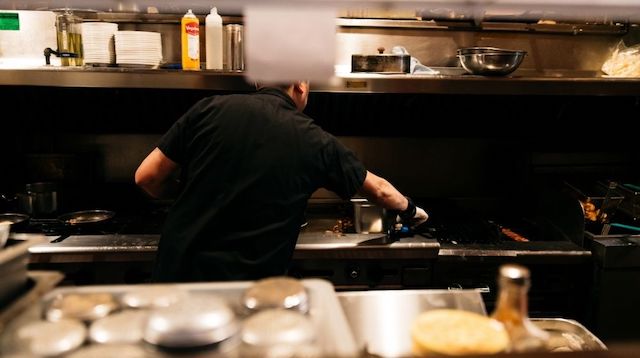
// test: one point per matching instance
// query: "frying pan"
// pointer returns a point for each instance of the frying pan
(82, 219)
(86, 217)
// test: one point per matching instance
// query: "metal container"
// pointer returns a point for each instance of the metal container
(14, 258)
(567, 335)
(233, 47)
(38, 199)
(381, 320)
(368, 217)
(5, 227)
(490, 61)
(381, 63)
(333, 338)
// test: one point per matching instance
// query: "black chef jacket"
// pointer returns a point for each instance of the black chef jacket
(250, 163)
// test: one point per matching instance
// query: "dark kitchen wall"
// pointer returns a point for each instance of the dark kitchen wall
(92, 140)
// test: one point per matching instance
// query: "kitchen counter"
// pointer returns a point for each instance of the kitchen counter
(92, 248)
(451, 80)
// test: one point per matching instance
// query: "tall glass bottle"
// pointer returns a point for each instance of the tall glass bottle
(512, 310)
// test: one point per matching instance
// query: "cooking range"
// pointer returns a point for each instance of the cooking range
(461, 247)
(456, 248)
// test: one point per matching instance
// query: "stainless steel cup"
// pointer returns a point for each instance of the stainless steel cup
(39, 199)
(368, 217)
(233, 47)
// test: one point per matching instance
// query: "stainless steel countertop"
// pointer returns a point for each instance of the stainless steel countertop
(143, 243)
(311, 245)
(450, 81)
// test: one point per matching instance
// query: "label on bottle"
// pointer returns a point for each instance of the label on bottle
(9, 21)
(193, 39)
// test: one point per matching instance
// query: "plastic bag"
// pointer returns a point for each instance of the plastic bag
(624, 62)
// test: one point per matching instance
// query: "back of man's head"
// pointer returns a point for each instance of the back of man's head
(281, 85)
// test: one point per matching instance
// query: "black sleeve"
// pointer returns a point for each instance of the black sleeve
(345, 174)
(174, 143)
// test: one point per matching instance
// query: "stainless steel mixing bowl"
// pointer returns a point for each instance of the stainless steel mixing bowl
(490, 61)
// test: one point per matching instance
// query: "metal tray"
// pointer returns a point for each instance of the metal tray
(381, 320)
(569, 335)
(334, 335)
(14, 259)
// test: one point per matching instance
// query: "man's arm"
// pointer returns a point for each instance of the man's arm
(156, 175)
(379, 191)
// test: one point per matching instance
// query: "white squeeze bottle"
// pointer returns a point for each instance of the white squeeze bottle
(213, 40)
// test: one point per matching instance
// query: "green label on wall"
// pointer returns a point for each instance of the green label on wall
(9, 21)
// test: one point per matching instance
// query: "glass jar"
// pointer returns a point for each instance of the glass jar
(69, 38)
(513, 311)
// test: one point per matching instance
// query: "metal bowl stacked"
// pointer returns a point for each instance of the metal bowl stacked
(490, 61)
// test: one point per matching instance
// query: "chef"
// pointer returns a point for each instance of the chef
(242, 168)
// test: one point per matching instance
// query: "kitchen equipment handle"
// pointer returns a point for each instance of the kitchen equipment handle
(603, 213)
(49, 51)
(624, 226)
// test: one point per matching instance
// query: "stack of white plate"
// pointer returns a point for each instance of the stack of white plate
(97, 42)
(138, 48)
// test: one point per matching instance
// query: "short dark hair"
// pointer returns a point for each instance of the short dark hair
(280, 85)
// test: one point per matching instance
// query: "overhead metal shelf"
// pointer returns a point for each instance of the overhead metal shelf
(450, 81)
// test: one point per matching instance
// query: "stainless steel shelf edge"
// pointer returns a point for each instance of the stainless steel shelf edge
(557, 28)
(522, 82)
(125, 78)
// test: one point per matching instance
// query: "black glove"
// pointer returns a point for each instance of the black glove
(413, 215)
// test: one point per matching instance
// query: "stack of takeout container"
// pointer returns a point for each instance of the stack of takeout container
(98, 42)
(138, 48)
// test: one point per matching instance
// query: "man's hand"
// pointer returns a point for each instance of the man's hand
(420, 217)
(413, 215)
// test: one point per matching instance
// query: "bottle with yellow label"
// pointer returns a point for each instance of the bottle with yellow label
(190, 38)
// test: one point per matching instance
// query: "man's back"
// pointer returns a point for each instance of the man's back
(250, 163)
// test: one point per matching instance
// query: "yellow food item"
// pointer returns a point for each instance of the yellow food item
(457, 332)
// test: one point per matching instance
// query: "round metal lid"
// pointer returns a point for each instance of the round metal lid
(277, 330)
(122, 327)
(111, 350)
(52, 338)
(154, 296)
(85, 306)
(277, 292)
(199, 320)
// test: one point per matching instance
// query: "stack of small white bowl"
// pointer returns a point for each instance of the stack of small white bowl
(138, 48)
(97, 42)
